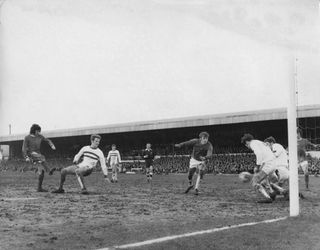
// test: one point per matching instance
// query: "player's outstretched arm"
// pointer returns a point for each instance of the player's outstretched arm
(119, 157)
(25, 148)
(187, 143)
(53, 147)
(78, 156)
(103, 166)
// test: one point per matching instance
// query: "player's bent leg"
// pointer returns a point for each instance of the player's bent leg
(116, 173)
(191, 172)
(150, 172)
(283, 180)
(305, 168)
(40, 180)
(64, 172)
(199, 171)
(113, 173)
(80, 173)
(256, 184)
(197, 184)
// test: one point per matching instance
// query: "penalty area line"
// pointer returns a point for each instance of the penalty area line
(173, 237)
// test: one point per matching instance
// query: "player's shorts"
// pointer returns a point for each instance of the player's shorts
(149, 169)
(200, 165)
(36, 157)
(304, 165)
(114, 166)
(73, 169)
(273, 178)
(283, 174)
(148, 164)
(269, 167)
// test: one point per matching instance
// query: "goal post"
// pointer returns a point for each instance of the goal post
(292, 140)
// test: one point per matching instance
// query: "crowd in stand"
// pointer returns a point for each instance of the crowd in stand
(219, 164)
(174, 162)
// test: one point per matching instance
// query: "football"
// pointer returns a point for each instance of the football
(245, 177)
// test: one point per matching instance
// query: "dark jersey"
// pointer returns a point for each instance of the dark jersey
(148, 156)
(32, 143)
(204, 150)
(302, 147)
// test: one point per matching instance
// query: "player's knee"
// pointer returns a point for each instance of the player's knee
(78, 172)
(190, 175)
(64, 171)
(256, 185)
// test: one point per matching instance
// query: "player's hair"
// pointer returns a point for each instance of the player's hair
(92, 137)
(246, 137)
(113, 145)
(204, 134)
(34, 128)
(270, 139)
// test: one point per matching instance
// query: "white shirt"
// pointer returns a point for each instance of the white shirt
(281, 154)
(90, 158)
(114, 157)
(262, 152)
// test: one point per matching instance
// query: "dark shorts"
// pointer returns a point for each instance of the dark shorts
(148, 164)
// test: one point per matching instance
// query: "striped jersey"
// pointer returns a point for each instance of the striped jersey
(114, 157)
(90, 158)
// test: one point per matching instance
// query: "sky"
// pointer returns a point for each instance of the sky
(75, 63)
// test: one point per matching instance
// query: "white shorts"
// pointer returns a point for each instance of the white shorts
(196, 164)
(304, 166)
(269, 167)
(283, 173)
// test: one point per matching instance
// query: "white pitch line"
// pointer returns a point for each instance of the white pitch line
(173, 237)
(17, 199)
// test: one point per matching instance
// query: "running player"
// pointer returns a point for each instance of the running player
(265, 165)
(31, 152)
(91, 155)
(148, 156)
(114, 160)
(201, 152)
(302, 144)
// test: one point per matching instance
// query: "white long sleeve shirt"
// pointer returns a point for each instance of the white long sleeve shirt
(90, 158)
(280, 154)
(114, 157)
(263, 152)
